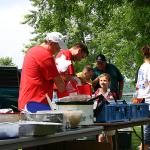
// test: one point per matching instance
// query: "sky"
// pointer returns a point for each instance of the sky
(13, 34)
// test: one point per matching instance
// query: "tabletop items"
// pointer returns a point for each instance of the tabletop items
(83, 106)
(69, 114)
(122, 111)
(42, 123)
(35, 128)
(68, 118)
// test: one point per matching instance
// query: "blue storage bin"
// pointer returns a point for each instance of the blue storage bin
(139, 111)
(113, 113)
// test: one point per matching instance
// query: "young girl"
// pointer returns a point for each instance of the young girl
(104, 82)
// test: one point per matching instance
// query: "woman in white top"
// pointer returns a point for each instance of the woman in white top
(143, 89)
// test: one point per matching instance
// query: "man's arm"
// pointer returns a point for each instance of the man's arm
(149, 83)
(95, 81)
(121, 84)
(60, 84)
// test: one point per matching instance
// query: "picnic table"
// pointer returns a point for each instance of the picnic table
(27, 142)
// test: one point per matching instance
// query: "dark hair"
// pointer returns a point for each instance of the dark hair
(146, 51)
(88, 68)
(101, 57)
(83, 48)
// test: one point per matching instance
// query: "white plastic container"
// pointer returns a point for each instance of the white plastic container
(86, 108)
(9, 130)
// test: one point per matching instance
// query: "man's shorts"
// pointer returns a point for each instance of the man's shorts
(33, 107)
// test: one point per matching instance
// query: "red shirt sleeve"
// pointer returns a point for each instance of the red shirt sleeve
(68, 55)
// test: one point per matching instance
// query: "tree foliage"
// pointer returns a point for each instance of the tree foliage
(117, 28)
(6, 61)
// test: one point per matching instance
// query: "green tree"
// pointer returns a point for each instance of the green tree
(125, 34)
(6, 61)
(117, 28)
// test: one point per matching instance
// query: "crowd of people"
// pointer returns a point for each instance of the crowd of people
(42, 74)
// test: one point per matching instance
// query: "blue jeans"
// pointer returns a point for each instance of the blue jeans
(147, 134)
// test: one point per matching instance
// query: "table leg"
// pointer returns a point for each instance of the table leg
(116, 139)
(142, 136)
(106, 136)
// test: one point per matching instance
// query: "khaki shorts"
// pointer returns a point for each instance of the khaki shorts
(109, 133)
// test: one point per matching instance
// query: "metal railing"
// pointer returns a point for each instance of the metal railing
(127, 96)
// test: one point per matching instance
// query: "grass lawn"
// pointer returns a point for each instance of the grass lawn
(135, 140)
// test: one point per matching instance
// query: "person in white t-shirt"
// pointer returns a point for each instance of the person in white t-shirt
(143, 89)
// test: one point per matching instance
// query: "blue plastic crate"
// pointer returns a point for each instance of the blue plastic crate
(113, 113)
(139, 111)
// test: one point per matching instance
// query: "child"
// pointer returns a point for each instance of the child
(104, 82)
(86, 75)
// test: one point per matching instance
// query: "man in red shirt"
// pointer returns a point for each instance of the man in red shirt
(76, 53)
(39, 72)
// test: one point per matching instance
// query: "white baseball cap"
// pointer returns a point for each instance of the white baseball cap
(58, 38)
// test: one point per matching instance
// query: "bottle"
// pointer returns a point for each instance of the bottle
(55, 97)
